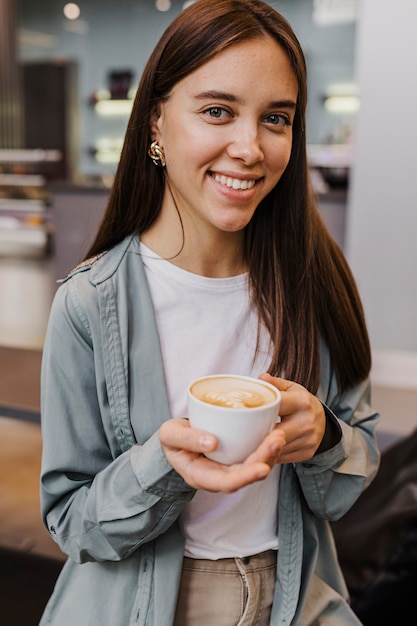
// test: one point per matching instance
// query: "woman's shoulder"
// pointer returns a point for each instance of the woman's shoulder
(77, 297)
(87, 264)
(103, 265)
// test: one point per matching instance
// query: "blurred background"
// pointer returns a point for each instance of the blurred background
(68, 74)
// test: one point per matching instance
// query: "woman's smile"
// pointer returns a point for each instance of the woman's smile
(234, 183)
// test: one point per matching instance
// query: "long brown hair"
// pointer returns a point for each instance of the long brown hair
(301, 284)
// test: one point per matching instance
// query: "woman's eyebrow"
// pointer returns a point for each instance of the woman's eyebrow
(216, 95)
(283, 104)
(228, 97)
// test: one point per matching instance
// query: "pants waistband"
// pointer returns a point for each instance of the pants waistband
(251, 563)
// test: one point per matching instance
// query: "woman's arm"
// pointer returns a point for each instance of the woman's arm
(331, 476)
(333, 480)
(97, 502)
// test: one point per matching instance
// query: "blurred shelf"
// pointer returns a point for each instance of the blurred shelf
(113, 108)
(23, 242)
(22, 180)
(30, 156)
(330, 155)
(25, 224)
(21, 205)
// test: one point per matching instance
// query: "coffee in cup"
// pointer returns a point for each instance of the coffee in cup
(239, 410)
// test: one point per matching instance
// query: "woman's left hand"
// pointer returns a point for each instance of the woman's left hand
(303, 420)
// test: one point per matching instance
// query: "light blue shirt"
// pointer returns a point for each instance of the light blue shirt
(109, 497)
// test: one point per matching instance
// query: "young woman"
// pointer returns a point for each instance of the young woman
(211, 258)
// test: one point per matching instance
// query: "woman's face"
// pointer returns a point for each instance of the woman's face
(226, 130)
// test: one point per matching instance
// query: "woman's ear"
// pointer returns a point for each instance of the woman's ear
(154, 127)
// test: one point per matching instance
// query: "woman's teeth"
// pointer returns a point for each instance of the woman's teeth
(234, 183)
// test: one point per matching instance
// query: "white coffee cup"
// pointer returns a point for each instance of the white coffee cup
(239, 410)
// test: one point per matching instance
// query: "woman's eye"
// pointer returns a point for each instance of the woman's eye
(217, 113)
(278, 119)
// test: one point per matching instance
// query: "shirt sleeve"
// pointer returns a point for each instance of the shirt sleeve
(98, 505)
(333, 480)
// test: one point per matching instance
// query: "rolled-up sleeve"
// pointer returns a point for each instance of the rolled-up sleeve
(97, 505)
(333, 480)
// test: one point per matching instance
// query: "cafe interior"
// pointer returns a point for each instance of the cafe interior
(68, 73)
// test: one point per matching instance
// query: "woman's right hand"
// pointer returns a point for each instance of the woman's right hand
(184, 448)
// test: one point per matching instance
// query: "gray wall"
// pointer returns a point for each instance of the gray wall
(382, 217)
(113, 34)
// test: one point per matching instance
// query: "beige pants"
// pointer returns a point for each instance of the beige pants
(227, 592)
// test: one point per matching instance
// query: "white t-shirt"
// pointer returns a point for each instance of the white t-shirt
(207, 326)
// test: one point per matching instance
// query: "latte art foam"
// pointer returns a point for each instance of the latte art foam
(233, 392)
(233, 398)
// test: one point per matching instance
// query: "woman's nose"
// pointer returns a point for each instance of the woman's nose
(245, 144)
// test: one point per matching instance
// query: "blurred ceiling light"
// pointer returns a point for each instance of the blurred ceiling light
(72, 11)
(108, 149)
(109, 143)
(330, 12)
(113, 107)
(342, 97)
(107, 157)
(163, 5)
(342, 104)
(37, 40)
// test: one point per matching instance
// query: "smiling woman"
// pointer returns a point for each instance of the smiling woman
(211, 259)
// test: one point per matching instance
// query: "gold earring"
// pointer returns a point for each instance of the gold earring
(156, 152)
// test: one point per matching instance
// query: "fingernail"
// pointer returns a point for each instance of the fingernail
(207, 442)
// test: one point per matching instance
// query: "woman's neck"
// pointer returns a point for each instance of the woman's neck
(214, 254)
